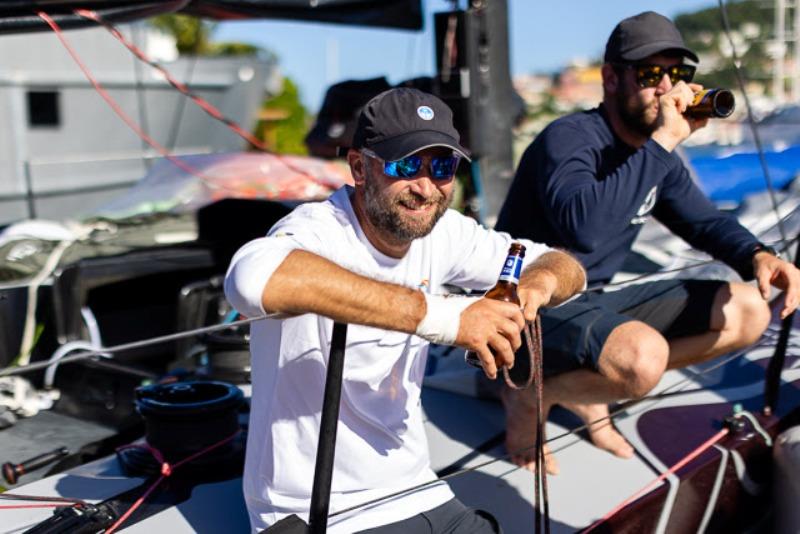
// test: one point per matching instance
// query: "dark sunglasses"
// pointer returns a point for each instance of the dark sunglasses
(651, 75)
(441, 167)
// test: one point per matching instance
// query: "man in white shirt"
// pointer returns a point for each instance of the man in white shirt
(376, 256)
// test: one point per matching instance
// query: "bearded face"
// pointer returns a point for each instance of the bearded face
(637, 109)
(637, 106)
(401, 213)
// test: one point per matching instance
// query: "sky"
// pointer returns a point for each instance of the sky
(543, 36)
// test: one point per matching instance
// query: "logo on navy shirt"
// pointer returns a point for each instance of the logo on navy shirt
(647, 206)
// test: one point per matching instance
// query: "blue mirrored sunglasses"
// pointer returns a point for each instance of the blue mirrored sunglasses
(441, 167)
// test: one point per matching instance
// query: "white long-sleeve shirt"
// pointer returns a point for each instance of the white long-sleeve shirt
(381, 445)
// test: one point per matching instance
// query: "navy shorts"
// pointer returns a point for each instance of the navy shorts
(451, 517)
(574, 333)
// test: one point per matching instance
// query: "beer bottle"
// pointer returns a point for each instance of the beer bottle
(712, 103)
(505, 289)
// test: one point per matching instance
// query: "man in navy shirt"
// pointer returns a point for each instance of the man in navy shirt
(587, 184)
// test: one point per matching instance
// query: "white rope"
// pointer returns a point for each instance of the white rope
(26, 345)
(756, 426)
(80, 232)
(714, 496)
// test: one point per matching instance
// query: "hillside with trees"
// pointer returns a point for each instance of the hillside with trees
(751, 23)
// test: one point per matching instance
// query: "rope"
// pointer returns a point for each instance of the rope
(172, 337)
(542, 515)
(43, 502)
(18, 497)
(20, 506)
(685, 460)
(113, 104)
(26, 345)
(166, 470)
(532, 332)
(620, 409)
(782, 248)
(207, 180)
(203, 104)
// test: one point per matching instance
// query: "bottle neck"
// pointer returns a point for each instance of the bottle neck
(512, 268)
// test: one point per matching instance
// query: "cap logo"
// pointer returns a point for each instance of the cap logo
(425, 113)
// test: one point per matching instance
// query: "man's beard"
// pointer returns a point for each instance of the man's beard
(385, 213)
(634, 114)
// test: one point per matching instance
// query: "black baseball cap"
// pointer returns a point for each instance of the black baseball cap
(643, 35)
(402, 121)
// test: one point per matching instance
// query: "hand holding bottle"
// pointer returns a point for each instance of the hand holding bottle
(673, 126)
(490, 331)
(498, 339)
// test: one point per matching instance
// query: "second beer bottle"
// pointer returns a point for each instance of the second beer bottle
(505, 289)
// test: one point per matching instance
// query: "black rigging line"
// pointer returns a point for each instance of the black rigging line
(177, 118)
(750, 120)
(781, 245)
(82, 355)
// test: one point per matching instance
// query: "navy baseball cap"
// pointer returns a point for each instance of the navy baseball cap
(643, 35)
(402, 121)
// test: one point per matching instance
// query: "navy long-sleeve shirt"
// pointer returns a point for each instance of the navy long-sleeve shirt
(581, 188)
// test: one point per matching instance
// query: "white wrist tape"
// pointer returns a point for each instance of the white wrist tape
(441, 322)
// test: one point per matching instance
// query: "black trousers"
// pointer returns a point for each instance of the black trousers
(450, 518)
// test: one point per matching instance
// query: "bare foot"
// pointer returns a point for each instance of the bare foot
(521, 414)
(602, 434)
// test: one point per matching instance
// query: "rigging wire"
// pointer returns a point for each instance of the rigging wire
(180, 335)
(161, 339)
(190, 333)
(623, 407)
(134, 345)
(782, 247)
(620, 408)
(177, 118)
(750, 120)
(166, 471)
(163, 151)
(203, 104)
(141, 97)
(118, 110)
(646, 489)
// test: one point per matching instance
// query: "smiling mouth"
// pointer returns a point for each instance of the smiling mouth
(417, 207)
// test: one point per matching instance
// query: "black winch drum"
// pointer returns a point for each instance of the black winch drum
(186, 417)
(228, 356)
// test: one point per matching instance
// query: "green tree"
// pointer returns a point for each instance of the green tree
(285, 121)
(234, 49)
(192, 35)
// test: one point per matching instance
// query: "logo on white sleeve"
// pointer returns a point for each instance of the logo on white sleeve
(425, 113)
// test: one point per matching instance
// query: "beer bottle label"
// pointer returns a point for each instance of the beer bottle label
(511, 269)
(699, 97)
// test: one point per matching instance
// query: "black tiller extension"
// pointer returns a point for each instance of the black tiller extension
(772, 384)
(323, 471)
